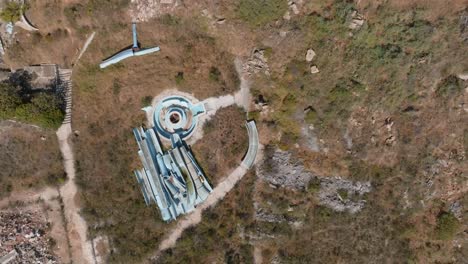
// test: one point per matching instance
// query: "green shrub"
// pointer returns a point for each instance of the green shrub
(179, 78)
(449, 86)
(314, 185)
(146, 101)
(12, 11)
(343, 193)
(311, 116)
(261, 12)
(41, 108)
(215, 74)
(447, 226)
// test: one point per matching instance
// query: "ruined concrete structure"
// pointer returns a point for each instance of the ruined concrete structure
(172, 179)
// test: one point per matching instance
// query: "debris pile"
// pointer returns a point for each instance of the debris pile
(23, 237)
(256, 63)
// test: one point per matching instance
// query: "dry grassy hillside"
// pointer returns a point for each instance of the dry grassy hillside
(385, 107)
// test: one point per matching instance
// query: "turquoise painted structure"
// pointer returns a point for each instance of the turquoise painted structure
(135, 50)
(176, 115)
(171, 179)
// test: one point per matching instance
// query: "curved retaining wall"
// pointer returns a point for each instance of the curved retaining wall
(249, 158)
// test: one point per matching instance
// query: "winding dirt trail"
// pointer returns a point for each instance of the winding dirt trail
(81, 248)
(194, 218)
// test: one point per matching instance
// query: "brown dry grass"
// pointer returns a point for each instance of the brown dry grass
(434, 9)
(107, 105)
(223, 144)
(28, 162)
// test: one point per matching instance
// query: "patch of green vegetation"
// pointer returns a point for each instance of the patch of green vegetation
(42, 108)
(311, 116)
(253, 115)
(260, 12)
(449, 87)
(313, 185)
(170, 20)
(146, 100)
(268, 51)
(343, 193)
(56, 178)
(447, 226)
(86, 78)
(179, 78)
(12, 11)
(215, 74)
(116, 87)
(340, 99)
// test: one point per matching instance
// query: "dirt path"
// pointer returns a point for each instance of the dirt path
(81, 248)
(85, 46)
(241, 98)
(194, 218)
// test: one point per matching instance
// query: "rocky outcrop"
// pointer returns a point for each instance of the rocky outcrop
(256, 63)
(281, 170)
(343, 195)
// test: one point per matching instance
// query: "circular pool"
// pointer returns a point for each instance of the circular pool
(176, 115)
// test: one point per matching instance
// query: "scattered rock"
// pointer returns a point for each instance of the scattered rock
(256, 63)
(329, 194)
(456, 209)
(357, 20)
(463, 76)
(279, 169)
(294, 8)
(310, 55)
(390, 141)
(464, 26)
(287, 16)
(264, 216)
(314, 69)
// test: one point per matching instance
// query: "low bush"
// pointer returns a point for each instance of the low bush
(12, 11)
(447, 226)
(261, 12)
(43, 108)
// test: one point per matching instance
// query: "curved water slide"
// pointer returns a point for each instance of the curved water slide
(249, 158)
(135, 50)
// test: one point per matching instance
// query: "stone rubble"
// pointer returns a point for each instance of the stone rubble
(25, 232)
(256, 63)
(357, 20)
(330, 197)
(314, 69)
(281, 170)
(310, 55)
